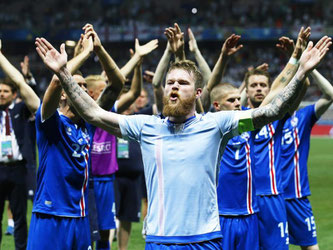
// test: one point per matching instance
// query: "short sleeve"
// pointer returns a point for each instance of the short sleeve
(227, 122)
(131, 125)
(50, 123)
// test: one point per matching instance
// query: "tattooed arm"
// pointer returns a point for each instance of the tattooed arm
(83, 103)
(282, 102)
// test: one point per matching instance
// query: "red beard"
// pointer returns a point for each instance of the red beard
(181, 107)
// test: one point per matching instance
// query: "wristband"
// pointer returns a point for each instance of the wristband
(293, 61)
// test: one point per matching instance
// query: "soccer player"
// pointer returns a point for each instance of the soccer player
(103, 151)
(266, 153)
(236, 195)
(181, 152)
(63, 139)
(295, 152)
(235, 191)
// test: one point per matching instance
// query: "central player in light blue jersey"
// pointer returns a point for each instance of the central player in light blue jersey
(181, 152)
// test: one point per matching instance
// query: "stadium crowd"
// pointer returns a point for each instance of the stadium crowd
(211, 141)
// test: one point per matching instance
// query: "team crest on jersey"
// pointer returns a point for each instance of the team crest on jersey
(68, 130)
(245, 135)
(85, 135)
(294, 121)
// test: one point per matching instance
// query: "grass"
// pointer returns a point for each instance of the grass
(321, 179)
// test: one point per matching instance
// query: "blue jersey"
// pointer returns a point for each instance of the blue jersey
(181, 163)
(235, 191)
(63, 166)
(266, 158)
(295, 152)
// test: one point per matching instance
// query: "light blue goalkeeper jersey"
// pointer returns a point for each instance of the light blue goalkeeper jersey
(181, 164)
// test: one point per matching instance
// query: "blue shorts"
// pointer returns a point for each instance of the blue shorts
(205, 245)
(273, 226)
(105, 204)
(58, 233)
(302, 227)
(240, 232)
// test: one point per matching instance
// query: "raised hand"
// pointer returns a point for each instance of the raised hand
(302, 41)
(90, 32)
(263, 67)
(230, 45)
(78, 47)
(286, 45)
(87, 43)
(148, 76)
(193, 46)
(50, 56)
(145, 49)
(175, 37)
(313, 55)
(25, 67)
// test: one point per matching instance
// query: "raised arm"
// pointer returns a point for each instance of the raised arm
(140, 52)
(115, 77)
(203, 65)
(230, 47)
(159, 75)
(287, 46)
(282, 102)
(136, 86)
(28, 95)
(83, 103)
(53, 92)
(176, 40)
(327, 89)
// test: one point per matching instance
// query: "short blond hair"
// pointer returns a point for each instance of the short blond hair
(220, 91)
(92, 79)
(190, 67)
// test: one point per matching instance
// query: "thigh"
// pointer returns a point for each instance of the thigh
(273, 227)
(302, 227)
(240, 232)
(129, 191)
(60, 232)
(105, 204)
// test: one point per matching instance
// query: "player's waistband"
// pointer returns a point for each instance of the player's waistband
(184, 239)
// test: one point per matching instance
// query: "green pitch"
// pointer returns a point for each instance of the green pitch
(321, 183)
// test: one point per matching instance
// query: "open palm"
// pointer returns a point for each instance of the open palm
(146, 48)
(313, 55)
(50, 56)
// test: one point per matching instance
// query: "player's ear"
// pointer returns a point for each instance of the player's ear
(216, 106)
(198, 92)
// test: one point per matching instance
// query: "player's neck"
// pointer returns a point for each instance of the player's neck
(67, 111)
(181, 119)
(254, 105)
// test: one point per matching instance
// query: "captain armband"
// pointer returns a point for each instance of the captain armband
(245, 125)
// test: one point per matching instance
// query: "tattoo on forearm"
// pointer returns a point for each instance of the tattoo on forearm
(74, 91)
(279, 106)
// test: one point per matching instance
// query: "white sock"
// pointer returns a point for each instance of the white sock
(11, 222)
